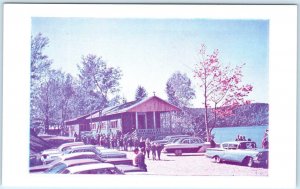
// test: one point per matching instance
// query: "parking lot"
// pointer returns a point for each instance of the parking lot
(197, 165)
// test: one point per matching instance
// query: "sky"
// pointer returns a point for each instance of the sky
(149, 51)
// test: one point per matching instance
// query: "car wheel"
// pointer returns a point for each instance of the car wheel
(217, 159)
(178, 152)
(250, 162)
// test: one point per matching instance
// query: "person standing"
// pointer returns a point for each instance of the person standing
(75, 136)
(153, 150)
(142, 143)
(139, 160)
(130, 143)
(159, 148)
(212, 143)
(148, 147)
(136, 142)
(265, 141)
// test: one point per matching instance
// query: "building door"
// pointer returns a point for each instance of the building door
(142, 121)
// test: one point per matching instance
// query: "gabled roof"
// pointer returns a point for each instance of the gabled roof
(78, 119)
(150, 104)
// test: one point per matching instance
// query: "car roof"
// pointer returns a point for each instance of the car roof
(91, 166)
(174, 136)
(182, 138)
(66, 156)
(237, 142)
(81, 146)
(79, 161)
(69, 144)
(51, 151)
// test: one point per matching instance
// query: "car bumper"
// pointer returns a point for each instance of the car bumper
(262, 162)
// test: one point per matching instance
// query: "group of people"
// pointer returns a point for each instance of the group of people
(113, 141)
(154, 148)
(242, 138)
(146, 147)
(264, 143)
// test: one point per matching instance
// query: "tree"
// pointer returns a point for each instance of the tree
(221, 87)
(179, 90)
(99, 81)
(49, 101)
(40, 63)
(228, 92)
(67, 94)
(140, 93)
(39, 68)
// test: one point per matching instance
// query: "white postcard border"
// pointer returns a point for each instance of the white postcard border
(282, 90)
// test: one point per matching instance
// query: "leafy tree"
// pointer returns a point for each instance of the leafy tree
(40, 63)
(221, 87)
(39, 67)
(49, 101)
(140, 93)
(179, 90)
(99, 81)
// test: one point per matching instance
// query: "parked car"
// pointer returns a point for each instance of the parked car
(174, 136)
(62, 165)
(62, 157)
(184, 145)
(102, 152)
(110, 153)
(244, 152)
(80, 155)
(64, 146)
(94, 168)
(50, 155)
(168, 139)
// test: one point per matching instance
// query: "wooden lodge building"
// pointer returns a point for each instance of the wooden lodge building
(142, 117)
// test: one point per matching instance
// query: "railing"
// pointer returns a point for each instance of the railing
(153, 132)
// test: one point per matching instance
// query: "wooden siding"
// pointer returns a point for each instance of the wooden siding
(128, 122)
(153, 105)
(157, 117)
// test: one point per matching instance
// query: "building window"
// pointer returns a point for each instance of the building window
(114, 124)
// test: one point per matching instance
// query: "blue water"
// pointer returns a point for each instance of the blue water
(255, 133)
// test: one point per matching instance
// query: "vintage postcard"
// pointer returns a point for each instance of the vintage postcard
(171, 93)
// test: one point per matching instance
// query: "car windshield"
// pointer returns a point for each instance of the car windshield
(176, 140)
(56, 168)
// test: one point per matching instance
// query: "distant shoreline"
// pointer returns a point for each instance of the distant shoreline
(244, 126)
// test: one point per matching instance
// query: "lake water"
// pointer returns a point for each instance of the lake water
(255, 133)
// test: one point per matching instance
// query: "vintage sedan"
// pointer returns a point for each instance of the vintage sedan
(102, 152)
(50, 155)
(168, 139)
(94, 168)
(244, 152)
(63, 157)
(184, 145)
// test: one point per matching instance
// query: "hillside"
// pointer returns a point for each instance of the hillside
(246, 115)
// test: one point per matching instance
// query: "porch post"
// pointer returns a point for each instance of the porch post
(146, 126)
(136, 121)
(154, 120)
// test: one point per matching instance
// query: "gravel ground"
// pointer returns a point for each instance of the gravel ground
(197, 165)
